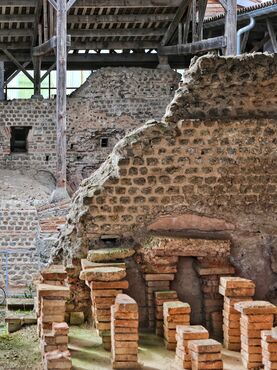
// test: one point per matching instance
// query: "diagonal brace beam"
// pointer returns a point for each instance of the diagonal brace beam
(48, 46)
(70, 3)
(54, 4)
(174, 24)
(223, 3)
(19, 66)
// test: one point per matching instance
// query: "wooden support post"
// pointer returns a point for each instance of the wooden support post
(180, 33)
(163, 62)
(194, 26)
(45, 20)
(2, 81)
(202, 5)
(231, 27)
(60, 193)
(272, 34)
(37, 69)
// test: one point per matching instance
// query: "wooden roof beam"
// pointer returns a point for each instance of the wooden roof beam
(110, 45)
(127, 3)
(17, 18)
(16, 32)
(18, 3)
(174, 24)
(15, 45)
(120, 18)
(114, 32)
(194, 47)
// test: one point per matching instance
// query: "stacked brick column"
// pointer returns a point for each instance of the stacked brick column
(205, 354)
(154, 283)
(80, 292)
(160, 298)
(269, 349)
(175, 313)
(105, 283)
(210, 271)
(183, 335)
(57, 360)
(234, 289)
(51, 297)
(52, 329)
(124, 330)
(255, 317)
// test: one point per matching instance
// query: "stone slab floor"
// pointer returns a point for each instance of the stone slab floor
(88, 354)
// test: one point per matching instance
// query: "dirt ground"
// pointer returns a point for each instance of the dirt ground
(20, 350)
(88, 353)
(33, 188)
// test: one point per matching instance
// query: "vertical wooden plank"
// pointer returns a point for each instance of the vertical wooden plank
(51, 21)
(61, 192)
(45, 19)
(272, 34)
(37, 84)
(201, 15)
(187, 24)
(231, 27)
(180, 33)
(244, 41)
(194, 27)
(2, 80)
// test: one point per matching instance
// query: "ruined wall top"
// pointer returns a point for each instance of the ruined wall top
(124, 83)
(218, 168)
(224, 87)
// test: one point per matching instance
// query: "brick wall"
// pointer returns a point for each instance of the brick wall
(112, 102)
(39, 115)
(215, 174)
(19, 228)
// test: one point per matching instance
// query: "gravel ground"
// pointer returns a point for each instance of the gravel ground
(20, 350)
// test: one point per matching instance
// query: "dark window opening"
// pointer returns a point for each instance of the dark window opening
(104, 142)
(47, 158)
(19, 142)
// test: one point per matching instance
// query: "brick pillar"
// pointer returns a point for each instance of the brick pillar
(210, 272)
(205, 354)
(52, 329)
(154, 283)
(124, 330)
(57, 339)
(105, 284)
(183, 335)
(54, 275)
(80, 301)
(175, 313)
(51, 298)
(256, 316)
(269, 349)
(160, 298)
(234, 289)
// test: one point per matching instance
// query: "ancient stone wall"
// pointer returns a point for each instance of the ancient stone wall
(229, 87)
(213, 176)
(19, 258)
(39, 116)
(112, 102)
